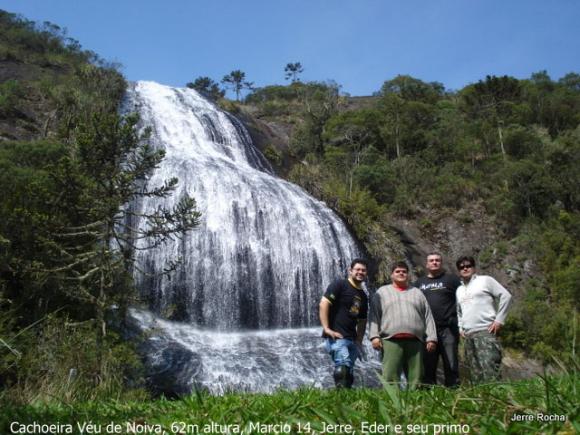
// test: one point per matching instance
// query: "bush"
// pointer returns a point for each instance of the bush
(65, 361)
(272, 93)
(273, 155)
(10, 92)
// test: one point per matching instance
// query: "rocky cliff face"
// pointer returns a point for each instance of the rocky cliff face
(29, 114)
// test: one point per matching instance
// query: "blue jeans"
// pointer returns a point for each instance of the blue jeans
(343, 351)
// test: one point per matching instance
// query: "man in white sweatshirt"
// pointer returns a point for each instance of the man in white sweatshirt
(482, 306)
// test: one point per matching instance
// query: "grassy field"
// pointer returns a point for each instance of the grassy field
(541, 405)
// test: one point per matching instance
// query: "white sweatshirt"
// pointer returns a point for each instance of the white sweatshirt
(481, 302)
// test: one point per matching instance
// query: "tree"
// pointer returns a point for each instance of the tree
(392, 130)
(409, 109)
(66, 232)
(319, 103)
(236, 80)
(571, 81)
(493, 101)
(93, 251)
(207, 87)
(292, 70)
(355, 132)
(412, 89)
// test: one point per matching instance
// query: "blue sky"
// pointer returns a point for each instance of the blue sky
(357, 43)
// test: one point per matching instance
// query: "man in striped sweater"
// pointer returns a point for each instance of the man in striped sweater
(401, 324)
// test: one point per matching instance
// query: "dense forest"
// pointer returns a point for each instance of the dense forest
(416, 151)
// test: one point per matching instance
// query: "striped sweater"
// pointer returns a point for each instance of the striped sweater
(401, 312)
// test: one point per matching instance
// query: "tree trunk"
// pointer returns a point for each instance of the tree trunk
(397, 132)
(501, 139)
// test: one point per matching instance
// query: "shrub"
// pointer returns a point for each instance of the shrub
(65, 361)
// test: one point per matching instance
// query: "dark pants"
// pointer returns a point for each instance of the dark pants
(447, 344)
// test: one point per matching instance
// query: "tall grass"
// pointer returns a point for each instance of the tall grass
(56, 361)
(486, 408)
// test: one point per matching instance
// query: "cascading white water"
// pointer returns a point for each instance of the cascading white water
(265, 250)
(185, 358)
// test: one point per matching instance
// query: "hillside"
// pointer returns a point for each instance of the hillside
(60, 133)
(486, 171)
(490, 170)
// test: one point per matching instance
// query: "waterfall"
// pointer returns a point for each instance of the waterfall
(263, 254)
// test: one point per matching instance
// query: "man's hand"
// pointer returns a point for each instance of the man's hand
(494, 328)
(431, 346)
(377, 343)
(332, 334)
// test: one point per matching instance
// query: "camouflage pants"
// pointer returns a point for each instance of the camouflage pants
(482, 357)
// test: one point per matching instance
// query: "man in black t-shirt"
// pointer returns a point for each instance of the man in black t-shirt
(439, 288)
(343, 315)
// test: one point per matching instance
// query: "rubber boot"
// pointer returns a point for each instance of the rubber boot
(342, 377)
(349, 378)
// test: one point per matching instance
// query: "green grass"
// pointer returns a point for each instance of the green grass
(479, 409)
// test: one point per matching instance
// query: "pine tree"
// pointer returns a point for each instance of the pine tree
(107, 167)
(292, 70)
(236, 80)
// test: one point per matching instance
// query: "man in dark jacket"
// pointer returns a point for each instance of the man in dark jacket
(343, 316)
(439, 288)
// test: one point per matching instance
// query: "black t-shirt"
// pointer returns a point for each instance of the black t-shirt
(440, 293)
(348, 306)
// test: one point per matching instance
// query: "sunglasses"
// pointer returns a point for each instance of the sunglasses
(465, 266)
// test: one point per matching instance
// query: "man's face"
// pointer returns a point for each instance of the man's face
(400, 276)
(466, 270)
(433, 264)
(358, 272)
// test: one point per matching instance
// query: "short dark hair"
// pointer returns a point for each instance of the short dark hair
(362, 261)
(463, 259)
(400, 264)
(437, 253)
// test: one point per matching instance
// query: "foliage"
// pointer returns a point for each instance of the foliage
(292, 70)
(418, 151)
(42, 44)
(480, 409)
(107, 167)
(415, 151)
(10, 92)
(273, 93)
(52, 366)
(318, 103)
(67, 234)
(273, 155)
(69, 203)
(236, 80)
(207, 87)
